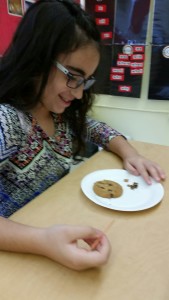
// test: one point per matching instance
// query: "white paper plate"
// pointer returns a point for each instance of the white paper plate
(143, 197)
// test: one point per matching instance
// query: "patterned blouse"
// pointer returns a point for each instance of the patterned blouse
(31, 161)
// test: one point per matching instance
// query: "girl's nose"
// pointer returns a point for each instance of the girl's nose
(78, 92)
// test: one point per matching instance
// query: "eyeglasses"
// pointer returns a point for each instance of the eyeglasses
(75, 80)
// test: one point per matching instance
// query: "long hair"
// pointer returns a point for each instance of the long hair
(48, 28)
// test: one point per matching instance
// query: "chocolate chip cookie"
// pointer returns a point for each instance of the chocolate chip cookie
(107, 189)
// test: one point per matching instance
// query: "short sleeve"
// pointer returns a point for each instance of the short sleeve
(99, 133)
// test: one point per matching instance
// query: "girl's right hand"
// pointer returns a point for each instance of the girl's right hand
(60, 243)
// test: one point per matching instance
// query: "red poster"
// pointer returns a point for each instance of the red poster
(10, 16)
(11, 12)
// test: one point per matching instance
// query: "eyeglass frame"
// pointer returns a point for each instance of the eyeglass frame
(71, 76)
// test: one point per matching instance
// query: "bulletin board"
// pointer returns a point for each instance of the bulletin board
(123, 26)
(159, 79)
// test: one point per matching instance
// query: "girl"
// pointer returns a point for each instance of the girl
(46, 79)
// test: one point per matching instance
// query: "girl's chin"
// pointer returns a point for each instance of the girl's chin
(58, 110)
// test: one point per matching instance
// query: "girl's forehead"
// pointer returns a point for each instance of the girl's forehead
(85, 59)
(81, 56)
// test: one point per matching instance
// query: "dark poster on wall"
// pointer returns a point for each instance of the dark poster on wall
(131, 21)
(159, 79)
(160, 34)
(103, 12)
(121, 68)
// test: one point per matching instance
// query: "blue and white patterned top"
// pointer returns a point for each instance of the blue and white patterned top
(31, 161)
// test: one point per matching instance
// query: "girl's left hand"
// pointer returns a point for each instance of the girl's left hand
(139, 165)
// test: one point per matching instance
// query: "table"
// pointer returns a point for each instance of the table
(138, 267)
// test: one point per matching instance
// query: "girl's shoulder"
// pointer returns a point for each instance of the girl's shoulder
(13, 120)
(8, 112)
(6, 107)
(8, 115)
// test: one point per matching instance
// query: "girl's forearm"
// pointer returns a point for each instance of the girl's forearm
(21, 238)
(121, 147)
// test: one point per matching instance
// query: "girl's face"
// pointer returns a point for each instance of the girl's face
(57, 95)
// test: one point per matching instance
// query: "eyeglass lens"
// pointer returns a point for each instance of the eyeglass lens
(74, 82)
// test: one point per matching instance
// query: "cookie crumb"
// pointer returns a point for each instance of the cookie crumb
(133, 186)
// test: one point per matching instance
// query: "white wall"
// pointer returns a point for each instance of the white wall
(141, 119)
(143, 125)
